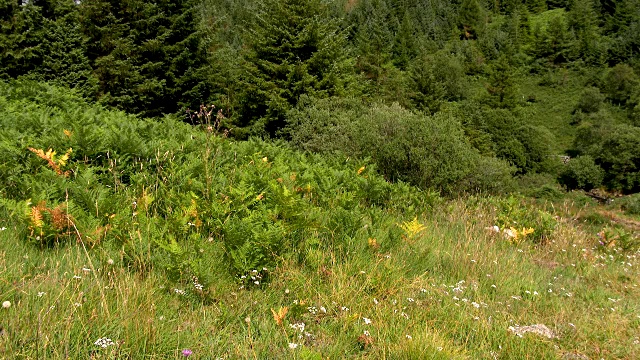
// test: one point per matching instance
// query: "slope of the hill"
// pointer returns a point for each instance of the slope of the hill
(129, 238)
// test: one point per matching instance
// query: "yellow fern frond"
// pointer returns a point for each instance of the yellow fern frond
(36, 217)
(50, 154)
(412, 228)
(49, 157)
(64, 158)
(280, 315)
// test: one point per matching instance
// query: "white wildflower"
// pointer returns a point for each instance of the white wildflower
(298, 326)
(6, 304)
(293, 345)
(104, 342)
(367, 321)
(179, 292)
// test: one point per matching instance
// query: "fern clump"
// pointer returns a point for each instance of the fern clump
(171, 195)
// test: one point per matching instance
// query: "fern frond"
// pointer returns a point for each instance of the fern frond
(49, 157)
(36, 217)
(412, 228)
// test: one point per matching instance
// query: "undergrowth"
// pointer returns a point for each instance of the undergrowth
(130, 238)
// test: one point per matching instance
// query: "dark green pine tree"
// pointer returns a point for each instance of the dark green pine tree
(519, 28)
(555, 4)
(21, 34)
(42, 40)
(536, 6)
(404, 47)
(583, 21)
(554, 42)
(470, 19)
(147, 56)
(293, 49)
(374, 26)
(623, 26)
(501, 88)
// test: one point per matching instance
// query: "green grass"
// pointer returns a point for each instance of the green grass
(554, 104)
(424, 287)
(151, 211)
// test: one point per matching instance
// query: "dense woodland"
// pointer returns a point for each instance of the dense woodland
(443, 94)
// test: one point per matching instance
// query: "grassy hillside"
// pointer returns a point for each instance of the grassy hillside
(141, 239)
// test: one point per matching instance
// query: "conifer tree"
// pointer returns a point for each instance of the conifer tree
(404, 47)
(148, 56)
(294, 48)
(624, 27)
(42, 40)
(375, 26)
(583, 21)
(536, 6)
(501, 87)
(471, 17)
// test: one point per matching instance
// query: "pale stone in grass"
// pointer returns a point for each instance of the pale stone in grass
(538, 329)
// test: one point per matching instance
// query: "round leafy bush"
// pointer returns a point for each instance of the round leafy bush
(427, 151)
(582, 173)
(631, 204)
(619, 83)
(590, 101)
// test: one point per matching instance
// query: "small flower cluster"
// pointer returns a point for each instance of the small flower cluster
(104, 342)
(196, 284)
(298, 326)
(254, 278)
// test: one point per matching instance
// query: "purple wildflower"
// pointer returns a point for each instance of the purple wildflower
(186, 352)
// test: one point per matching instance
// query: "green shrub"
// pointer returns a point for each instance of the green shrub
(436, 79)
(590, 100)
(616, 149)
(537, 141)
(582, 173)
(499, 132)
(620, 83)
(539, 186)
(513, 212)
(427, 151)
(631, 204)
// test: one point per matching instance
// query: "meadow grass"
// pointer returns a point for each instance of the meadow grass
(451, 291)
(157, 240)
